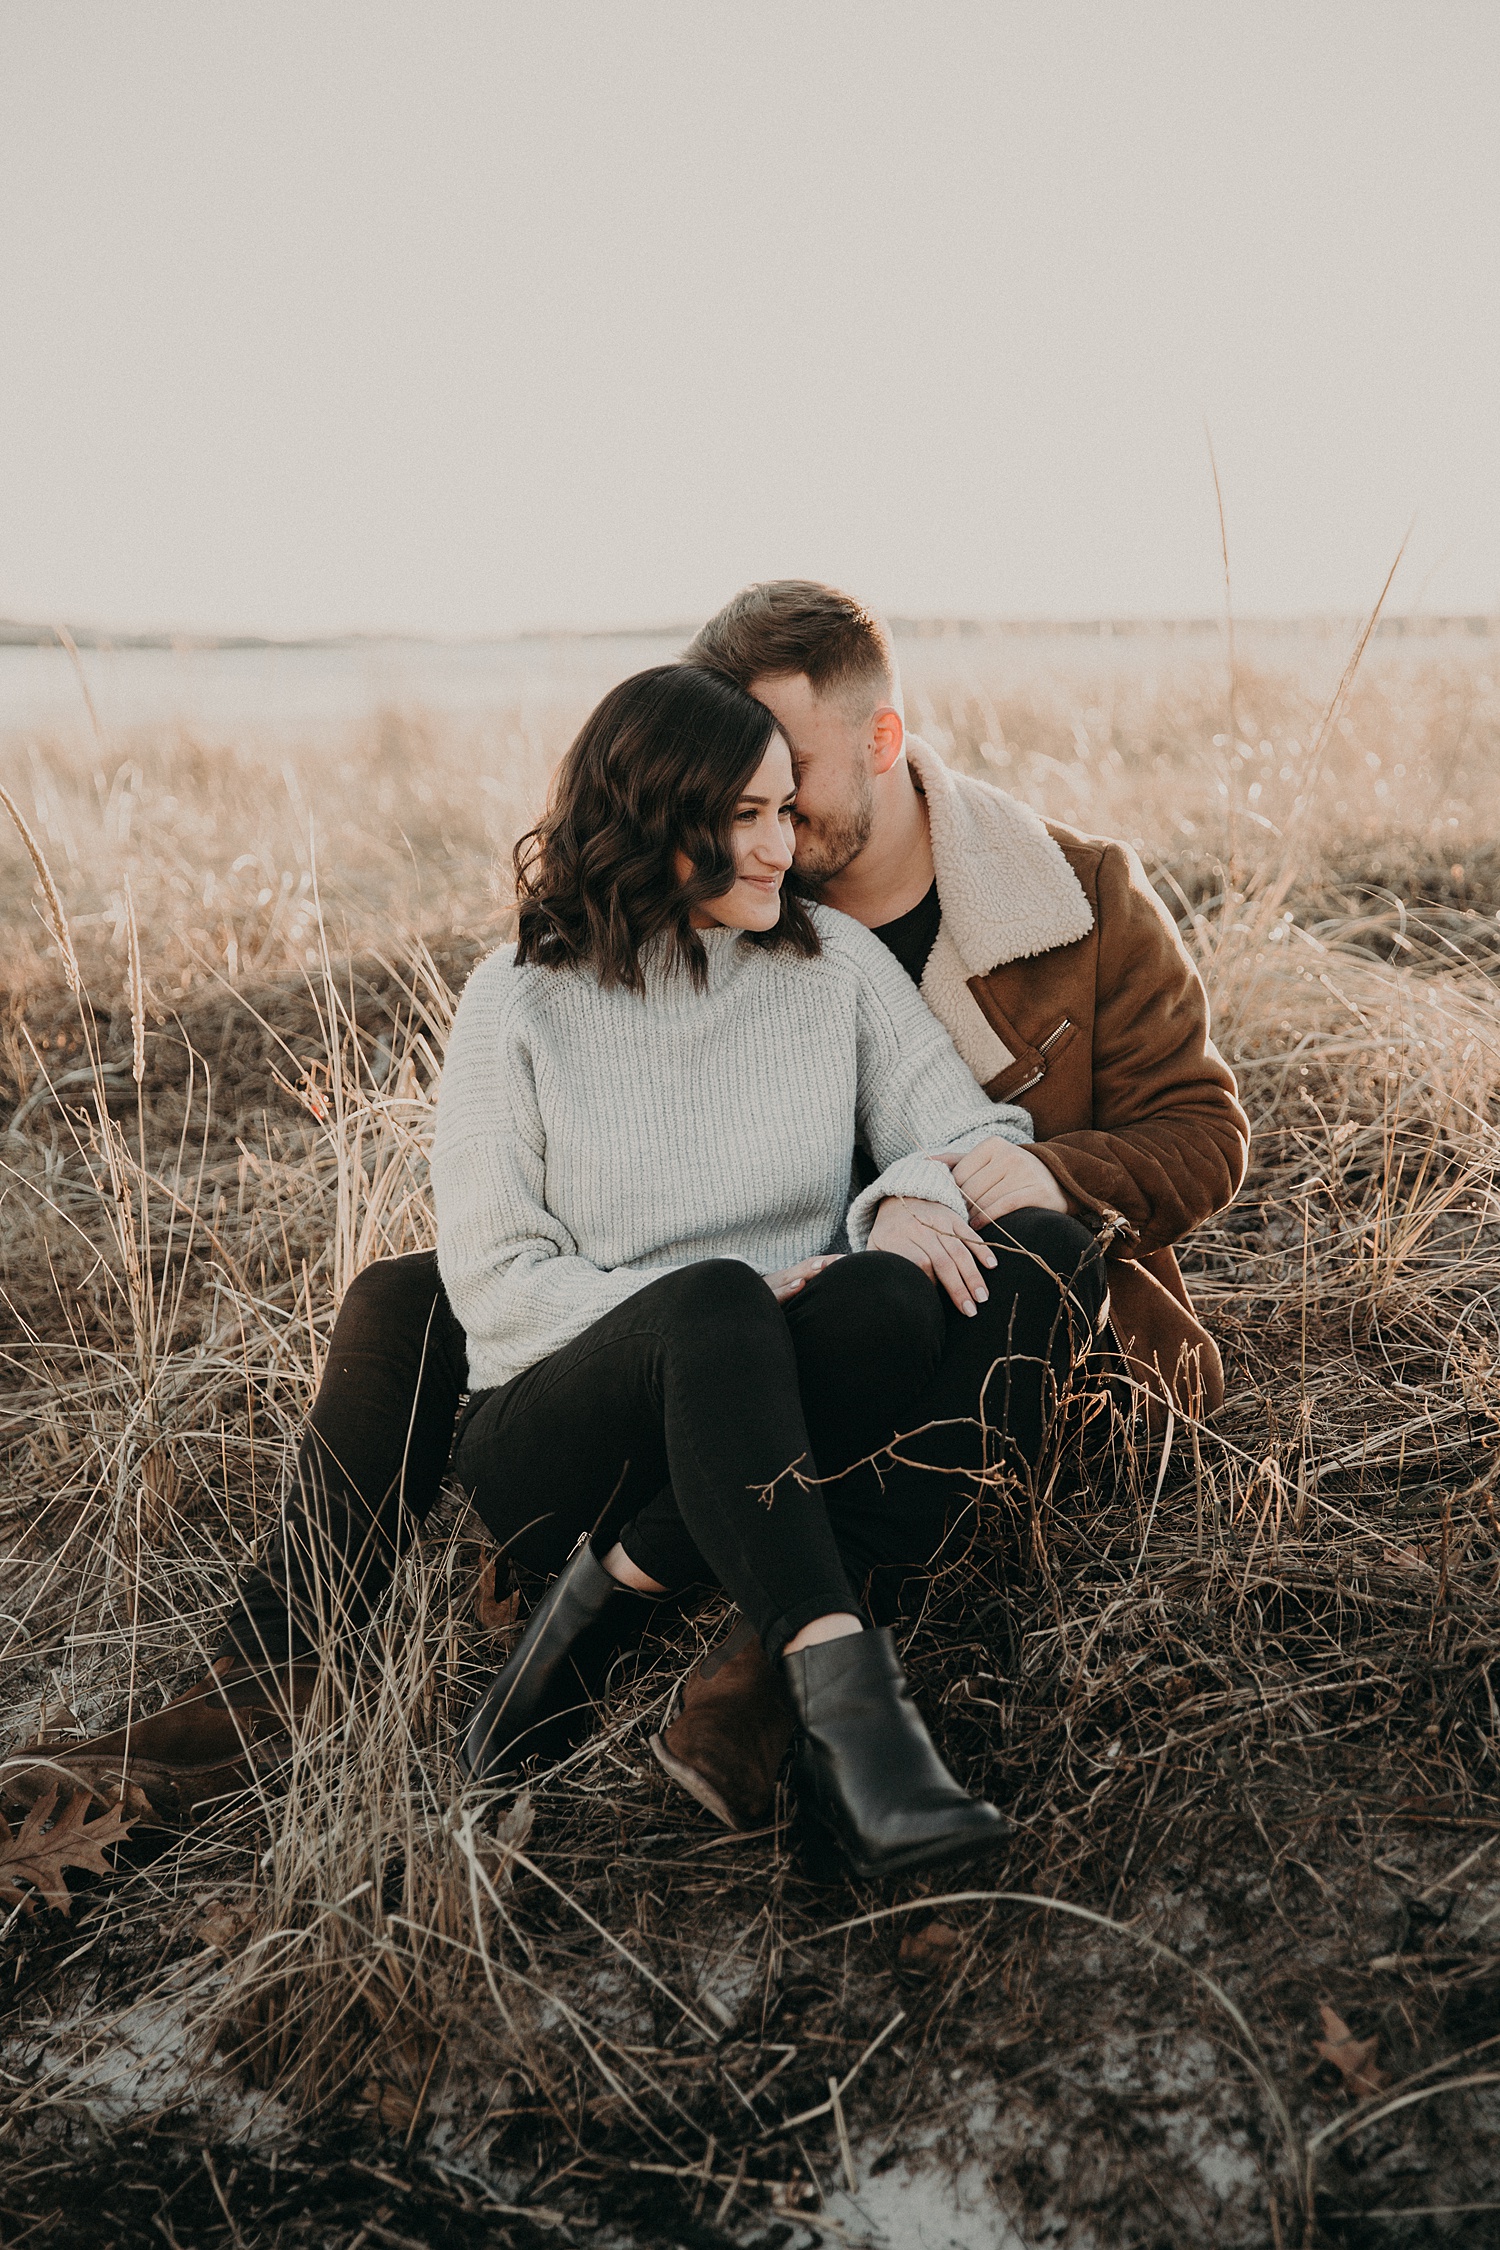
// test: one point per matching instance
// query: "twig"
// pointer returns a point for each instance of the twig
(837, 2106)
(806, 2116)
(213, 2176)
(733, 2189)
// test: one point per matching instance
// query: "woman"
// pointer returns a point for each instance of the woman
(648, 1114)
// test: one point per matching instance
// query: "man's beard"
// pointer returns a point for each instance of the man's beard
(826, 846)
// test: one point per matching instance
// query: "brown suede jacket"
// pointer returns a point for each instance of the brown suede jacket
(1067, 988)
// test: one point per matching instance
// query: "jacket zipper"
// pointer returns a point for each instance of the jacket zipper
(1044, 1047)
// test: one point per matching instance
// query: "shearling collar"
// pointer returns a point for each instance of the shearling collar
(1007, 890)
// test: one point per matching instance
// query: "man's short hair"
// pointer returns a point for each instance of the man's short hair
(787, 625)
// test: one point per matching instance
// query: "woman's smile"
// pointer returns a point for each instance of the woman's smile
(761, 843)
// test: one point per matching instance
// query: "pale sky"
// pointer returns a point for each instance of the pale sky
(463, 318)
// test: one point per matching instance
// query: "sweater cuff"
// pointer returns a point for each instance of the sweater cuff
(909, 1175)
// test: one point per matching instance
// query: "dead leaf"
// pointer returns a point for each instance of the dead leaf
(38, 1854)
(496, 1850)
(389, 2104)
(1353, 2059)
(56, 1722)
(1404, 1558)
(931, 1947)
(496, 1615)
(129, 1795)
(219, 1925)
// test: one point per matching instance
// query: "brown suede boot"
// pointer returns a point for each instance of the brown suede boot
(726, 1744)
(211, 1741)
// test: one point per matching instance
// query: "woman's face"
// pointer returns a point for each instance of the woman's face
(761, 840)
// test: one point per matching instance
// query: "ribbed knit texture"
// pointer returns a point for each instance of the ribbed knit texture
(589, 1141)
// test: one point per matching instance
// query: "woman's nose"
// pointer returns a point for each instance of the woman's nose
(776, 849)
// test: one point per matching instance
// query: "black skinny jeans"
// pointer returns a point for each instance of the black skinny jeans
(370, 1464)
(376, 1448)
(693, 1423)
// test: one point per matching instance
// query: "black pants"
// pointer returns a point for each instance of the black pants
(694, 1422)
(370, 1464)
(1013, 1392)
(376, 1448)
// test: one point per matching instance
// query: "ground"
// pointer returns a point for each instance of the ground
(1235, 1982)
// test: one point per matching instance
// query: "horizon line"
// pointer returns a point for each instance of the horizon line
(22, 633)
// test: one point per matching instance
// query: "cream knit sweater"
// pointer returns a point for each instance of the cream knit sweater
(590, 1141)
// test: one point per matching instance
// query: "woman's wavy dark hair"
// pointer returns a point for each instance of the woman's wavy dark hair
(658, 768)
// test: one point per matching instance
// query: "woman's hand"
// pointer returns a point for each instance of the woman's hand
(792, 1279)
(946, 1248)
(998, 1177)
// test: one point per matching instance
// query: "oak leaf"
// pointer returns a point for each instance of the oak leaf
(1353, 2059)
(38, 1855)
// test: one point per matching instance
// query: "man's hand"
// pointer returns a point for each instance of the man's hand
(948, 1251)
(792, 1280)
(998, 1177)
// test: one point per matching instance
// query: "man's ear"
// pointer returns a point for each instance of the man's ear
(887, 736)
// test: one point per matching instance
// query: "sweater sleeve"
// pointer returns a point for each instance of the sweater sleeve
(916, 1098)
(511, 1269)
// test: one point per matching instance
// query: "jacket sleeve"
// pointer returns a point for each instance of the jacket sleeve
(915, 1097)
(511, 1269)
(1169, 1141)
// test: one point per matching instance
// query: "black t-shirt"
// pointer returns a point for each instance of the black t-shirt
(911, 937)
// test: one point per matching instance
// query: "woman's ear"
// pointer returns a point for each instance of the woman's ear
(887, 736)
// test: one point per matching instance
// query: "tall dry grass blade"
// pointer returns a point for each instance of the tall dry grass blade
(68, 642)
(1347, 678)
(57, 919)
(137, 989)
(1234, 708)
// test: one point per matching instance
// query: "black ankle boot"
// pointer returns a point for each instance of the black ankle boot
(869, 1780)
(583, 1621)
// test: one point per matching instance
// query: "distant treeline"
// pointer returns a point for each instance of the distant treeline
(16, 633)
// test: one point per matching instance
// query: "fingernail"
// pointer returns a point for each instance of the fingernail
(983, 1295)
(968, 1312)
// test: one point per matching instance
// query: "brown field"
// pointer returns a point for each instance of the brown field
(1244, 1707)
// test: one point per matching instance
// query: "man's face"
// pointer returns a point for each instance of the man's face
(835, 784)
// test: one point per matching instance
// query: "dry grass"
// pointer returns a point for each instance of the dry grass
(1243, 1707)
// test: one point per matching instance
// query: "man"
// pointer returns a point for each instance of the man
(1058, 973)
(1064, 985)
